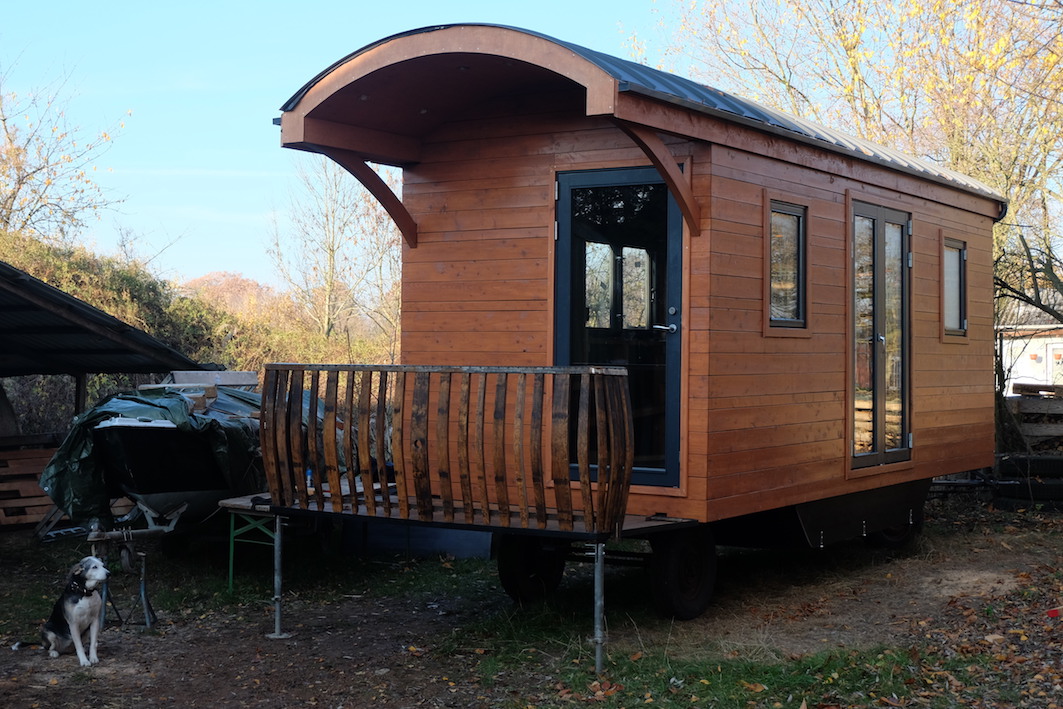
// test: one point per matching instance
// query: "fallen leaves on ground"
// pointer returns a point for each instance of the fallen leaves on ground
(1009, 639)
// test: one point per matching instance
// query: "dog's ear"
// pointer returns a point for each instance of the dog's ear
(77, 569)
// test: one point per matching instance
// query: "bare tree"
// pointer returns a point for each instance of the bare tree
(47, 189)
(340, 255)
(974, 85)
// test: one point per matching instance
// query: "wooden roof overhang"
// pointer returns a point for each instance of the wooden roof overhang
(377, 105)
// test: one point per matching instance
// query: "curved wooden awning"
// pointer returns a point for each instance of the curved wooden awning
(377, 104)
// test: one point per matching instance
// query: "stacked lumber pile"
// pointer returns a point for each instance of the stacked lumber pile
(1038, 409)
(22, 458)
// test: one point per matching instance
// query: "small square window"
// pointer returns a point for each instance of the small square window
(787, 290)
(954, 287)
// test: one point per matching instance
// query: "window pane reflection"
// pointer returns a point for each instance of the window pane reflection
(636, 286)
(599, 280)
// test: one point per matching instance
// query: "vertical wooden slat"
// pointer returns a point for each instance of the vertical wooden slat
(536, 443)
(621, 454)
(350, 432)
(628, 422)
(605, 470)
(284, 457)
(296, 440)
(267, 431)
(559, 463)
(446, 492)
(381, 441)
(398, 444)
(498, 459)
(583, 450)
(331, 440)
(480, 469)
(518, 447)
(365, 414)
(419, 444)
(314, 459)
(464, 470)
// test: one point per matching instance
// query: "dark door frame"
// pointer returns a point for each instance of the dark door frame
(668, 313)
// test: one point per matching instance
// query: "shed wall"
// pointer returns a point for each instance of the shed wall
(766, 418)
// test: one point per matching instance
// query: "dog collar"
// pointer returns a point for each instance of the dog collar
(78, 587)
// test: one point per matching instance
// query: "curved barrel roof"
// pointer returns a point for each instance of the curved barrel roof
(628, 76)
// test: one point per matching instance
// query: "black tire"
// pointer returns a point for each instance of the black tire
(895, 538)
(529, 568)
(126, 556)
(683, 572)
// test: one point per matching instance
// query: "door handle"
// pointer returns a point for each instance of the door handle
(669, 328)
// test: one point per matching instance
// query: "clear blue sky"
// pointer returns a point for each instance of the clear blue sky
(198, 162)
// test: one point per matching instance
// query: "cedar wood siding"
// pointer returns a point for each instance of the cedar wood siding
(766, 419)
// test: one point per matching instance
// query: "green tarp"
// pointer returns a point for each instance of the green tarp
(76, 476)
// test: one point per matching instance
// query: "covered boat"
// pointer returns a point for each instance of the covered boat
(159, 449)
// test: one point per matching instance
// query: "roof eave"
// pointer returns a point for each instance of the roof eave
(973, 187)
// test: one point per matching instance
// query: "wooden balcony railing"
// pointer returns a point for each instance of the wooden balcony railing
(546, 448)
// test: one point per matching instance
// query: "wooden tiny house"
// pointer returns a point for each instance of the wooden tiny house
(806, 318)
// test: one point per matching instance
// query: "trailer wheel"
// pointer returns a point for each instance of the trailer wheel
(683, 572)
(529, 568)
(899, 536)
(126, 555)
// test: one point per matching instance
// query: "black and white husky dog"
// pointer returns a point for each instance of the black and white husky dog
(77, 611)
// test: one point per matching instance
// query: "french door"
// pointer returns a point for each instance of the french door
(619, 250)
(881, 422)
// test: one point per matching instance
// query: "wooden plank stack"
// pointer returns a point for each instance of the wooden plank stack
(546, 448)
(22, 459)
(1038, 409)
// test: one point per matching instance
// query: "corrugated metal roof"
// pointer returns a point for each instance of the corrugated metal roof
(46, 331)
(677, 90)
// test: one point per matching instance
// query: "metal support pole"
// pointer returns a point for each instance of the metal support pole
(232, 546)
(599, 607)
(105, 597)
(277, 634)
(145, 603)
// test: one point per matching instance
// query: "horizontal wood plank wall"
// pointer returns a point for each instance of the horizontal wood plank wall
(770, 415)
(480, 446)
(766, 417)
(477, 289)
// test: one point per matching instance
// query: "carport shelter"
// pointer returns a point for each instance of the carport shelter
(46, 331)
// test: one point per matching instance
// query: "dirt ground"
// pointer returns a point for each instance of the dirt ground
(361, 650)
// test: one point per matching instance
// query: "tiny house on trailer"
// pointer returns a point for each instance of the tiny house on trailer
(805, 318)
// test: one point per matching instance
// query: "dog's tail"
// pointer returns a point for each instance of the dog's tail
(27, 644)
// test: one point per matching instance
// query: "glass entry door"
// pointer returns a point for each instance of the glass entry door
(881, 420)
(619, 250)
